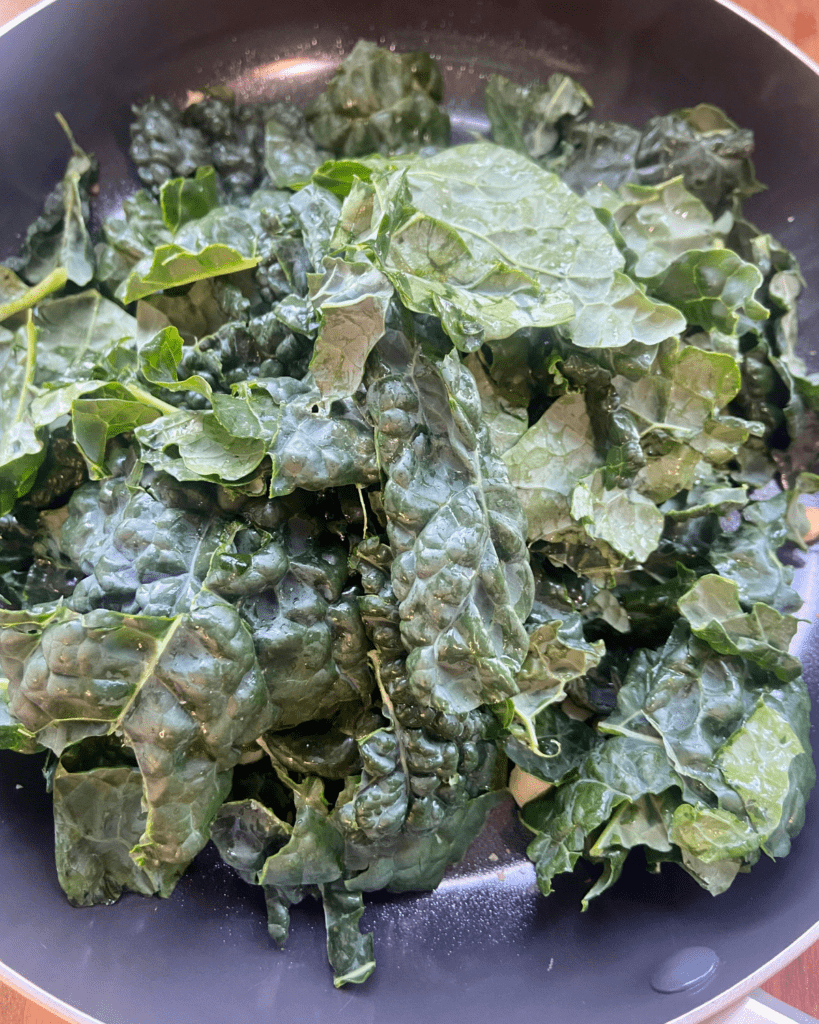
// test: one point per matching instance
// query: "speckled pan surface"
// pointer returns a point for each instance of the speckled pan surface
(485, 947)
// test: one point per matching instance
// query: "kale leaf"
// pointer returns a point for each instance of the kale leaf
(342, 470)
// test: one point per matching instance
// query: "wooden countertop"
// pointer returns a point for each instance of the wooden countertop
(798, 984)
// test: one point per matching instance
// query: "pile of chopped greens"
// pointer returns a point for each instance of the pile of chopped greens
(347, 469)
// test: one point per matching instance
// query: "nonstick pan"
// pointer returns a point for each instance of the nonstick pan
(485, 947)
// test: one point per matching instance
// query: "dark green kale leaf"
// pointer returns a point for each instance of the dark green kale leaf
(167, 142)
(188, 636)
(622, 774)
(98, 819)
(615, 431)
(713, 288)
(563, 744)
(316, 211)
(290, 152)
(380, 102)
(239, 350)
(531, 119)
(292, 590)
(776, 383)
(680, 409)
(460, 571)
(762, 636)
(162, 147)
(16, 556)
(291, 861)
(423, 791)
(13, 734)
(721, 719)
(701, 143)
(159, 246)
(184, 693)
(549, 461)
(708, 765)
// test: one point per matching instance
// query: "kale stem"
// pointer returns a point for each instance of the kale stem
(52, 282)
(148, 399)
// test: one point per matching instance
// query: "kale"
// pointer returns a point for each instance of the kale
(380, 102)
(245, 144)
(59, 238)
(333, 485)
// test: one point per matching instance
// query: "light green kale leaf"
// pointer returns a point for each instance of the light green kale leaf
(762, 635)
(549, 461)
(224, 241)
(656, 224)
(482, 238)
(707, 765)
(352, 301)
(78, 338)
(678, 409)
(713, 288)
(558, 655)
(22, 439)
(186, 199)
(621, 517)
(59, 238)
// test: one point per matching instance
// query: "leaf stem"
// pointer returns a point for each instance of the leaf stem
(52, 282)
(148, 399)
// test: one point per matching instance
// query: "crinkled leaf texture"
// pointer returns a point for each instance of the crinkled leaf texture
(482, 238)
(352, 301)
(104, 673)
(283, 420)
(708, 763)
(528, 118)
(460, 570)
(170, 647)
(379, 101)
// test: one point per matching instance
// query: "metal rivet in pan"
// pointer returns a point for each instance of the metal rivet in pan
(685, 969)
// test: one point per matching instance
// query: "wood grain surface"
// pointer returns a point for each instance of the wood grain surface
(798, 984)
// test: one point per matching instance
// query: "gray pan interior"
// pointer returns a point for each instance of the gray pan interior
(485, 947)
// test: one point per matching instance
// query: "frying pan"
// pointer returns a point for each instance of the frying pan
(486, 946)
